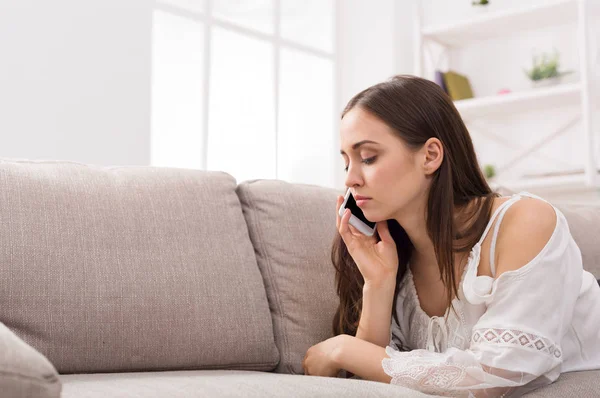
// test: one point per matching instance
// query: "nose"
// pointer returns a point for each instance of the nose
(353, 177)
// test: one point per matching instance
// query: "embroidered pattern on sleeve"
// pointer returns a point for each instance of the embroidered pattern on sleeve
(516, 337)
(458, 373)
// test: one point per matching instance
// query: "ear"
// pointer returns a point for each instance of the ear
(433, 155)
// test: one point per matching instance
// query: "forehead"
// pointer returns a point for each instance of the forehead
(359, 125)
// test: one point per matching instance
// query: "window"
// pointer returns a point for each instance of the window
(246, 87)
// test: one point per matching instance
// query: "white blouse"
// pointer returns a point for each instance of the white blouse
(512, 334)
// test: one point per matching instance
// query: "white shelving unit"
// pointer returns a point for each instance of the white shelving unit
(497, 24)
(523, 101)
(500, 23)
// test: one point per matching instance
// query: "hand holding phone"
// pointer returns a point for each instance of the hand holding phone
(376, 260)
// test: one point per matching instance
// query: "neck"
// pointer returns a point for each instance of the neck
(413, 219)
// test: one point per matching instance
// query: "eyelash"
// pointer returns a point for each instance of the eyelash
(365, 161)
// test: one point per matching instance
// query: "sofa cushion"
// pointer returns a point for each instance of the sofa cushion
(130, 268)
(584, 224)
(571, 385)
(292, 227)
(224, 383)
(25, 372)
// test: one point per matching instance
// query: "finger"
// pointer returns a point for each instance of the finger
(345, 227)
(340, 199)
(353, 229)
(362, 236)
(384, 232)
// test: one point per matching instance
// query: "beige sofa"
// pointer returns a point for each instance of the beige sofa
(163, 282)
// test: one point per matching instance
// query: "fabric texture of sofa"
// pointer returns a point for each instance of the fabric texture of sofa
(139, 281)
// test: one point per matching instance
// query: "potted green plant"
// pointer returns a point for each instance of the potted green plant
(489, 171)
(545, 69)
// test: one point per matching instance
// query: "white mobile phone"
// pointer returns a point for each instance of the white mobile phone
(357, 218)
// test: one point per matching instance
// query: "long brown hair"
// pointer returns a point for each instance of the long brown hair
(418, 109)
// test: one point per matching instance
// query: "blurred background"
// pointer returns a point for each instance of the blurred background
(256, 87)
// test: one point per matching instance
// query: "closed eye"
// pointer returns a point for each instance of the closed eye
(365, 161)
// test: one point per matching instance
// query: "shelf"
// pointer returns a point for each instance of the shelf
(574, 181)
(545, 182)
(498, 24)
(492, 23)
(520, 101)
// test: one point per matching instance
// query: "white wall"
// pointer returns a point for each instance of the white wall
(75, 80)
(374, 43)
(75, 76)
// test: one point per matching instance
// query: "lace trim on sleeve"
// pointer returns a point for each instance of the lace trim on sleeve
(460, 372)
(419, 372)
(515, 337)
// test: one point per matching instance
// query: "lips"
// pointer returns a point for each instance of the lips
(360, 197)
(361, 203)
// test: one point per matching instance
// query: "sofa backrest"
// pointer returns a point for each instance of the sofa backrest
(130, 268)
(292, 227)
(584, 224)
(142, 268)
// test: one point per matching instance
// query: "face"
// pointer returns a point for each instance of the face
(387, 171)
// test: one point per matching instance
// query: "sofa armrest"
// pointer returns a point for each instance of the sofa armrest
(24, 371)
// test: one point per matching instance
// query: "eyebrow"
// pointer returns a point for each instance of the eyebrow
(359, 144)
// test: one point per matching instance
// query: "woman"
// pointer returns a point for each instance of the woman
(486, 295)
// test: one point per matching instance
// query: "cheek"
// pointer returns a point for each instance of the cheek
(402, 182)
(396, 173)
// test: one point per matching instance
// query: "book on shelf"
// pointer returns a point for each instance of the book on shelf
(439, 79)
(457, 85)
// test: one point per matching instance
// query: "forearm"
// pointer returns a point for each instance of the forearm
(376, 314)
(362, 359)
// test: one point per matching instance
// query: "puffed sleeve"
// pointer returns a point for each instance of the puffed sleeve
(515, 345)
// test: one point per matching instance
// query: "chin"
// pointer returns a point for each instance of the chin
(372, 217)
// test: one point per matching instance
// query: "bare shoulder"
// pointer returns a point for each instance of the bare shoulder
(526, 228)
